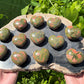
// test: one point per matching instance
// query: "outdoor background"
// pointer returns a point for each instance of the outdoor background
(71, 9)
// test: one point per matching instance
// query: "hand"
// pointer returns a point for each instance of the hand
(8, 78)
(74, 79)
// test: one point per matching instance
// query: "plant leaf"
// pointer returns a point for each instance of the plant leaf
(3, 20)
(37, 9)
(81, 19)
(11, 8)
(34, 3)
(1, 16)
(25, 10)
(76, 6)
(74, 15)
(48, 71)
(54, 9)
(71, 15)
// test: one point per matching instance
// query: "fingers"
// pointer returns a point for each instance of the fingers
(81, 79)
(71, 79)
(0, 74)
(9, 78)
(74, 79)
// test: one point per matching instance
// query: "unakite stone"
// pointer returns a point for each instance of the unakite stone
(54, 23)
(37, 20)
(19, 57)
(19, 40)
(37, 37)
(74, 56)
(41, 56)
(56, 41)
(20, 24)
(4, 34)
(3, 51)
(72, 33)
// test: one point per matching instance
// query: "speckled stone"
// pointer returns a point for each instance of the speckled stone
(3, 51)
(74, 57)
(19, 57)
(54, 23)
(41, 56)
(4, 34)
(19, 40)
(37, 20)
(72, 33)
(37, 37)
(56, 41)
(20, 24)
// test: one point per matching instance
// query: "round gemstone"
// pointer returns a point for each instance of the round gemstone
(74, 56)
(56, 41)
(72, 33)
(41, 56)
(4, 34)
(37, 37)
(3, 51)
(19, 40)
(37, 20)
(54, 23)
(19, 57)
(20, 24)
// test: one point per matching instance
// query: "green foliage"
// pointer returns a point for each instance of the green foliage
(3, 19)
(71, 9)
(10, 9)
(71, 14)
(41, 77)
(24, 11)
(81, 24)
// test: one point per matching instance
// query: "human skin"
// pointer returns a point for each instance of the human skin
(74, 79)
(8, 78)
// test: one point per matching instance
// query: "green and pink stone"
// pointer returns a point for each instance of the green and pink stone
(56, 41)
(72, 33)
(4, 34)
(41, 56)
(37, 37)
(37, 21)
(54, 23)
(19, 40)
(3, 51)
(19, 57)
(74, 57)
(20, 24)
